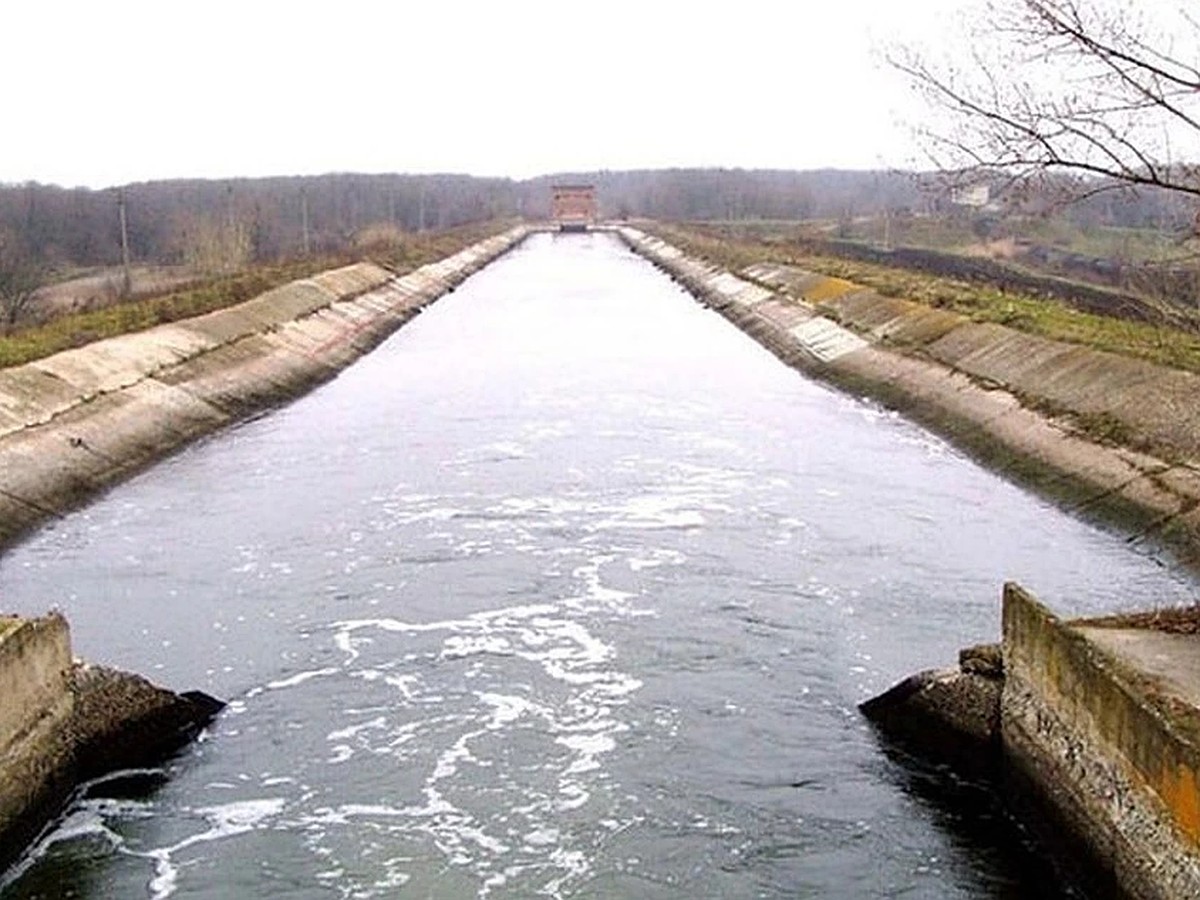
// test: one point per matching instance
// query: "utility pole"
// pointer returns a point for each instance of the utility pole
(304, 218)
(421, 208)
(127, 279)
(229, 218)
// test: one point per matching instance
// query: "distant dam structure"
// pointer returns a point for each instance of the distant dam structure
(573, 206)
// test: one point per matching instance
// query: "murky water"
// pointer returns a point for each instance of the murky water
(568, 590)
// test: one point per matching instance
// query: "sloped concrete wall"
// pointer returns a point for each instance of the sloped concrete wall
(987, 388)
(78, 421)
(1159, 405)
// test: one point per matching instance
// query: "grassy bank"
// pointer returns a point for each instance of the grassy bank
(76, 329)
(1156, 343)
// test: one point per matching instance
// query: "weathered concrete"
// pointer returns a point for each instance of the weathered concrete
(76, 422)
(950, 716)
(63, 722)
(1111, 751)
(1045, 412)
(122, 721)
(1091, 729)
(35, 682)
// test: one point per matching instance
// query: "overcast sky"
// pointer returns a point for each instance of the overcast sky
(102, 93)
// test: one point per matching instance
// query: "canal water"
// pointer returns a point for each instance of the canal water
(568, 590)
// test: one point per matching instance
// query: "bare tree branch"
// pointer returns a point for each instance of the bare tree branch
(1078, 86)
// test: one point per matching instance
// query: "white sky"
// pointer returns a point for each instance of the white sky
(98, 93)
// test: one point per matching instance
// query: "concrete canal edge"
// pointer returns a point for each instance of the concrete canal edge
(1110, 748)
(1092, 727)
(77, 422)
(1025, 405)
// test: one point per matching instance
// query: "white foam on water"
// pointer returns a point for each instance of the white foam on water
(655, 558)
(225, 820)
(86, 820)
(508, 448)
(543, 837)
(650, 513)
(343, 734)
(458, 646)
(567, 701)
(299, 678)
(407, 685)
(561, 688)
(588, 748)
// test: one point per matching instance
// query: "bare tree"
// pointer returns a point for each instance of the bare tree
(1104, 90)
(211, 245)
(21, 274)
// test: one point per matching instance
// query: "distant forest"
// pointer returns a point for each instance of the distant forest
(67, 228)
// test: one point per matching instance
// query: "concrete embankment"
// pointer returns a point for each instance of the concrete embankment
(1104, 433)
(1093, 728)
(76, 422)
(63, 722)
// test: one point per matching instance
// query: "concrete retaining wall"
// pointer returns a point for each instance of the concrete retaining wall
(62, 722)
(78, 421)
(1024, 404)
(37, 704)
(1108, 755)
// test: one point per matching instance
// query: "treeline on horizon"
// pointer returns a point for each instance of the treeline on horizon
(282, 216)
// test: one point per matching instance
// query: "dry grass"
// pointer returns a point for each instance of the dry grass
(74, 329)
(1179, 620)
(1052, 319)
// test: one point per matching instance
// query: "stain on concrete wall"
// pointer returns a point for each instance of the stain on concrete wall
(1111, 756)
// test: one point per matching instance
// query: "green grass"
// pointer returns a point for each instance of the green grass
(1160, 344)
(76, 329)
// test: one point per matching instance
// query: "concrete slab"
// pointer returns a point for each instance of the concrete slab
(786, 315)
(826, 340)
(1171, 659)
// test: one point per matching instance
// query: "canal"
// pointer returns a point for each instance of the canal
(567, 590)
